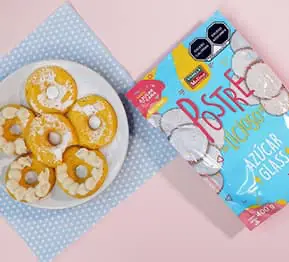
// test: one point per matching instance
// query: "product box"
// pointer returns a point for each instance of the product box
(226, 112)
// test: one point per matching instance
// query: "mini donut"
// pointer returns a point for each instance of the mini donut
(13, 122)
(50, 89)
(28, 180)
(82, 173)
(94, 120)
(48, 136)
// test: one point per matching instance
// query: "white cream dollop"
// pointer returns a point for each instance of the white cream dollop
(67, 182)
(82, 190)
(9, 112)
(8, 148)
(24, 162)
(20, 193)
(20, 146)
(44, 176)
(30, 195)
(72, 189)
(96, 173)
(12, 186)
(42, 189)
(90, 183)
(14, 174)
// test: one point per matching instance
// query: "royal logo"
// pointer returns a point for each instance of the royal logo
(196, 77)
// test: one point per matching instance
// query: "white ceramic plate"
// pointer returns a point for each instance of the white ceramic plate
(88, 82)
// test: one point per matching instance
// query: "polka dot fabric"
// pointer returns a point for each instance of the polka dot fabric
(64, 35)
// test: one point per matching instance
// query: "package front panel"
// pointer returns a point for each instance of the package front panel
(225, 111)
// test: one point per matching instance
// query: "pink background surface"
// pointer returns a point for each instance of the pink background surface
(174, 216)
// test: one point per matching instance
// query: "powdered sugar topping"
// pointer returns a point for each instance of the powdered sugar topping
(47, 83)
(89, 110)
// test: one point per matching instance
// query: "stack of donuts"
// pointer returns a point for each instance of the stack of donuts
(56, 139)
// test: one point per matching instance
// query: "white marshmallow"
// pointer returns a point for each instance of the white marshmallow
(94, 122)
(54, 138)
(52, 92)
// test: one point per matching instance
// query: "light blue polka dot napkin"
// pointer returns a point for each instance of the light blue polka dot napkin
(64, 35)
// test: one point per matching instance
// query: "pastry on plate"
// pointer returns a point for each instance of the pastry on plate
(50, 89)
(82, 173)
(13, 123)
(94, 120)
(48, 136)
(28, 180)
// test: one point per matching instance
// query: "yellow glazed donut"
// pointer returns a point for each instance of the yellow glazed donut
(95, 121)
(48, 136)
(50, 89)
(82, 173)
(13, 122)
(28, 180)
